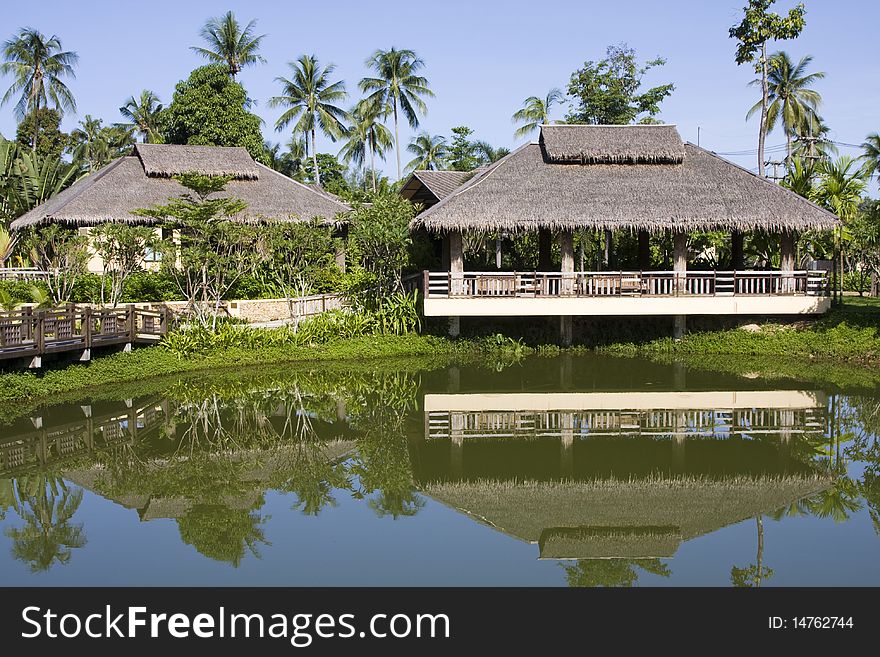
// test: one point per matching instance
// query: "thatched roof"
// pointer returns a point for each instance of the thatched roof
(619, 518)
(111, 194)
(165, 161)
(525, 190)
(612, 144)
(428, 187)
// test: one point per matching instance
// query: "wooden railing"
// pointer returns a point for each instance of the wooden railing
(22, 274)
(625, 283)
(26, 332)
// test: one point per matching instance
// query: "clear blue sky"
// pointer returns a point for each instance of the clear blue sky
(483, 58)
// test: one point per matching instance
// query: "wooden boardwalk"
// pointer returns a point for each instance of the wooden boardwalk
(29, 334)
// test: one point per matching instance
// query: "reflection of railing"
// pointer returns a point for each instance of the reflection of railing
(42, 446)
(25, 333)
(625, 283)
(557, 423)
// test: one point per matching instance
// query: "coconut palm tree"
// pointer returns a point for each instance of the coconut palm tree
(871, 146)
(368, 135)
(487, 154)
(398, 85)
(791, 99)
(37, 64)
(840, 188)
(143, 113)
(309, 98)
(228, 43)
(535, 112)
(430, 152)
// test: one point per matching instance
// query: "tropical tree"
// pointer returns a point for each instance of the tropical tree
(37, 64)
(143, 114)
(610, 91)
(462, 153)
(871, 148)
(40, 132)
(96, 145)
(398, 85)
(368, 135)
(791, 100)
(487, 153)
(210, 109)
(228, 43)
(430, 152)
(757, 27)
(309, 98)
(840, 187)
(535, 112)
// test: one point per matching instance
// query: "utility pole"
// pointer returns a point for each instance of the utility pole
(775, 164)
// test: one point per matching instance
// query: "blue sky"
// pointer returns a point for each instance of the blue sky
(483, 58)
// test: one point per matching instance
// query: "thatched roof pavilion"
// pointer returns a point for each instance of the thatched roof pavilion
(427, 188)
(638, 179)
(641, 177)
(144, 179)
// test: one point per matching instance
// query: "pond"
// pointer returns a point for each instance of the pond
(555, 471)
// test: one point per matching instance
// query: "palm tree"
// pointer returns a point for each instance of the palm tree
(399, 86)
(309, 99)
(430, 152)
(368, 135)
(871, 146)
(535, 112)
(840, 188)
(37, 65)
(791, 99)
(229, 44)
(143, 113)
(89, 147)
(487, 154)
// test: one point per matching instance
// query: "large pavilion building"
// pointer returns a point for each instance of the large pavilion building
(146, 179)
(641, 179)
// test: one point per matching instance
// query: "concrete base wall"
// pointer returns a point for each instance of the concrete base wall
(623, 306)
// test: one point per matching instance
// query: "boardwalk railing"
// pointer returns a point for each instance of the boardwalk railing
(625, 283)
(28, 333)
(22, 274)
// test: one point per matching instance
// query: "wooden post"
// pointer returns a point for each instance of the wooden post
(737, 256)
(679, 266)
(644, 250)
(339, 252)
(544, 249)
(787, 248)
(566, 250)
(607, 254)
(456, 276)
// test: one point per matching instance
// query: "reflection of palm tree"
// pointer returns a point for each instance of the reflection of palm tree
(47, 506)
(612, 572)
(838, 501)
(753, 574)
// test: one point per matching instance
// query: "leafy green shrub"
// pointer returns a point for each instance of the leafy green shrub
(150, 286)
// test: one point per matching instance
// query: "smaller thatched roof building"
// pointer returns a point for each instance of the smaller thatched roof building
(641, 177)
(427, 188)
(144, 180)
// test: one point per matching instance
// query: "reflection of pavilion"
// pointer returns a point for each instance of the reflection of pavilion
(630, 475)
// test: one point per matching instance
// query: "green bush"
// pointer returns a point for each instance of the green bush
(150, 286)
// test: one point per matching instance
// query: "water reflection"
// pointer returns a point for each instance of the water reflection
(607, 472)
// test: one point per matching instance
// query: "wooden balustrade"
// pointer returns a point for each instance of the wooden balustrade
(623, 283)
(28, 333)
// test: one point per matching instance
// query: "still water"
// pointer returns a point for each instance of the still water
(568, 471)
